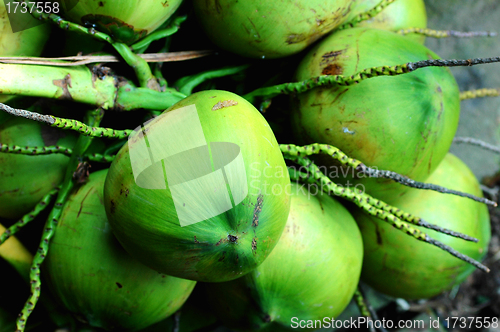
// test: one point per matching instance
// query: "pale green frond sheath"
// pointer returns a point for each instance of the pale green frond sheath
(100, 158)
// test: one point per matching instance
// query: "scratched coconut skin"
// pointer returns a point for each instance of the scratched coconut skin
(220, 248)
(404, 123)
(269, 29)
(307, 275)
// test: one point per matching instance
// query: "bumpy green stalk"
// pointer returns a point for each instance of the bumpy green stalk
(408, 217)
(44, 202)
(364, 308)
(298, 176)
(83, 142)
(405, 216)
(68, 124)
(100, 158)
(366, 15)
(477, 142)
(159, 34)
(44, 150)
(35, 150)
(316, 148)
(363, 201)
(446, 33)
(335, 153)
(481, 93)
(187, 84)
(326, 80)
(360, 302)
(82, 128)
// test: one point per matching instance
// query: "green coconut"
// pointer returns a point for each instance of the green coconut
(26, 179)
(404, 123)
(198, 192)
(269, 29)
(93, 277)
(125, 21)
(312, 272)
(29, 42)
(402, 14)
(399, 266)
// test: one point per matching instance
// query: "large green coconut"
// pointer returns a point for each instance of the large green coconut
(198, 192)
(94, 278)
(404, 123)
(269, 29)
(124, 20)
(26, 179)
(397, 265)
(311, 274)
